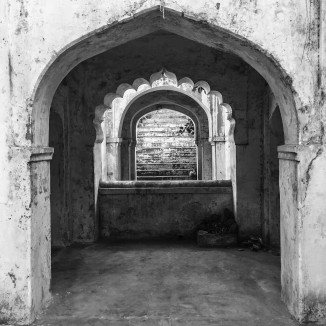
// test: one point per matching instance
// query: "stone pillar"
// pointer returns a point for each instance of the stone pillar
(25, 261)
(290, 232)
(125, 159)
(113, 156)
(303, 230)
(205, 149)
(40, 225)
(99, 155)
(132, 160)
(199, 159)
(219, 158)
(128, 159)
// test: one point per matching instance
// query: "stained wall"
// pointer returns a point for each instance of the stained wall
(284, 40)
(135, 210)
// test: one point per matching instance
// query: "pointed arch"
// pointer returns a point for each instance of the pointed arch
(147, 22)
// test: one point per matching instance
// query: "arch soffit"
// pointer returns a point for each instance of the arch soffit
(149, 21)
(163, 82)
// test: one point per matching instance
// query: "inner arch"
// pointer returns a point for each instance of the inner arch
(170, 96)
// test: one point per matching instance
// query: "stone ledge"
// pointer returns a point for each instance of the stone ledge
(172, 190)
(167, 184)
(288, 152)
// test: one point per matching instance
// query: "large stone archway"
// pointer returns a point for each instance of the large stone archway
(83, 49)
(150, 21)
(295, 291)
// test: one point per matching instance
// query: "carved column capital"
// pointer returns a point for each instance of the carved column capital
(115, 140)
(217, 139)
(290, 152)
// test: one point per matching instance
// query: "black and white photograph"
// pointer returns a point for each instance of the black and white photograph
(163, 162)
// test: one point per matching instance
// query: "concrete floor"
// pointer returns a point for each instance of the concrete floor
(165, 284)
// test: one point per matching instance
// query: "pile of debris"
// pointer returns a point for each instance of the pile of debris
(257, 244)
(220, 224)
(222, 231)
(218, 231)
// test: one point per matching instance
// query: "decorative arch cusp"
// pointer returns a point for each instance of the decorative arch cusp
(163, 81)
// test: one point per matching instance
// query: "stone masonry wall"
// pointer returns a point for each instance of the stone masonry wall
(165, 150)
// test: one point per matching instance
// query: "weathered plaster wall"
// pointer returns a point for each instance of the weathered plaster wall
(313, 240)
(289, 36)
(275, 137)
(40, 241)
(72, 166)
(250, 164)
(59, 139)
(291, 49)
(82, 136)
(13, 296)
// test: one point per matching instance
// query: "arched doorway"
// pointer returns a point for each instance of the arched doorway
(264, 65)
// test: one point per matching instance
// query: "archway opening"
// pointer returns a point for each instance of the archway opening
(166, 148)
(243, 87)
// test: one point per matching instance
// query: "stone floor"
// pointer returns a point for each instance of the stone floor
(164, 284)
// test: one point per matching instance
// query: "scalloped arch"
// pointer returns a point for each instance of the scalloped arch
(160, 78)
(125, 93)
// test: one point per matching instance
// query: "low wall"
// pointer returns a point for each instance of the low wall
(145, 209)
